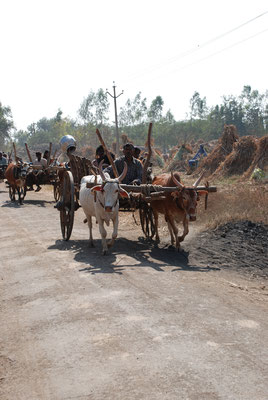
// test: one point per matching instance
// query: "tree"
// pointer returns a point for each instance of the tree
(198, 106)
(253, 104)
(134, 111)
(156, 109)
(94, 108)
(6, 123)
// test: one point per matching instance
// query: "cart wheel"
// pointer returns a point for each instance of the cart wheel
(67, 209)
(147, 220)
(56, 191)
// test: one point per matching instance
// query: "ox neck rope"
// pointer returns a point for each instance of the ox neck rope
(182, 207)
(116, 201)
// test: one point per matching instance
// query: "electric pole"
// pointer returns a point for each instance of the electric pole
(115, 112)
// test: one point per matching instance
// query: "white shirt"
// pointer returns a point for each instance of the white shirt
(42, 162)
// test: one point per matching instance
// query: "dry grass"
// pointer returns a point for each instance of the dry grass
(234, 202)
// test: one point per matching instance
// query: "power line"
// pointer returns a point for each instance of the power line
(207, 57)
(220, 51)
(191, 51)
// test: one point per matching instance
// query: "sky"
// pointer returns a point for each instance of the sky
(54, 52)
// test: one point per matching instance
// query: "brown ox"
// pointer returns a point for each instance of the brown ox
(16, 177)
(179, 206)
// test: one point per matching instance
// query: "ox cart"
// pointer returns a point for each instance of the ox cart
(140, 197)
(45, 176)
(2, 172)
(24, 173)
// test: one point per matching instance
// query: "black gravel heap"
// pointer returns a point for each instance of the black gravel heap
(240, 245)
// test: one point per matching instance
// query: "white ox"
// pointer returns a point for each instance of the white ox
(102, 202)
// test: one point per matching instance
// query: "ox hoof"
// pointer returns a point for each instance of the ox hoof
(91, 244)
(104, 252)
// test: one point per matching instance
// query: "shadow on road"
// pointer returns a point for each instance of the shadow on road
(128, 254)
(39, 203)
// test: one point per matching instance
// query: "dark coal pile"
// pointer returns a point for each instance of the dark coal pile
(241, 245)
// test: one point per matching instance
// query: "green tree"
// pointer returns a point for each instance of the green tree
(254, 105)
(94, 108)
(198, 106)
(6, 123)
(156, 109)
(134, 112)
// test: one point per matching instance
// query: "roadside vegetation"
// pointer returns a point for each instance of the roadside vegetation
(248, 112)
(234, 202)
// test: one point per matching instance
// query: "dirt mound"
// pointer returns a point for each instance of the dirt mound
(241, 246)
(240, 159)
(220, 152)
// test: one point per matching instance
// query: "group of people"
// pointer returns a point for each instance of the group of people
(3, 159)
(130, 157)
(3, 164)
(35, 177)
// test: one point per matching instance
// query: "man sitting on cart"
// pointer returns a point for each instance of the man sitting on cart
(3, 165)
(100, 155)
(134, 166)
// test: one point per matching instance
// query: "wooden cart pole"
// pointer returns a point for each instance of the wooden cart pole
(15, 153)
(54, 155)
(29, 155)
(49, 154)
(9, 155)
(146, 164)
(107, 154)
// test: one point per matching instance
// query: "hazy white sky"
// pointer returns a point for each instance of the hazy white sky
(53, 52)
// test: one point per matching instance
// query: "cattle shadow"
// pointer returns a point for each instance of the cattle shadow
(40, 203)
(15, 204)
(11, 204)
(128, 254)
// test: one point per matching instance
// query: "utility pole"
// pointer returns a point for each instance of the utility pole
(115, 112)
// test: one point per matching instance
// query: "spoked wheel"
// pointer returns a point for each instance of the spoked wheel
(147, 220)
(56, 191)
(67, 207)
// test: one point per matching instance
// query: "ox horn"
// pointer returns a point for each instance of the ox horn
(101, 172)
(177, 183)
(199, 179)
(122, 176)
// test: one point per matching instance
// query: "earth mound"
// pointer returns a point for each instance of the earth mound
(240, 245)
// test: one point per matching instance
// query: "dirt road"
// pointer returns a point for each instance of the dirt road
(141, 323)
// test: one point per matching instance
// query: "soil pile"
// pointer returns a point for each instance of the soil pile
(225, 146)
(240, 159)
(241, 246)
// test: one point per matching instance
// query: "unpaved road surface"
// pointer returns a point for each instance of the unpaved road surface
(143, 322)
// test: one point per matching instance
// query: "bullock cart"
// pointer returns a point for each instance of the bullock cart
(2, 172)
(140, 197)
(46, 176)
(68, 191)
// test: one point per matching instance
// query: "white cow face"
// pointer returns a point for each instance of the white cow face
(108, 194)
(24, 170)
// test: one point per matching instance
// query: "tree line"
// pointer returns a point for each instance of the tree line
(248, 112)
